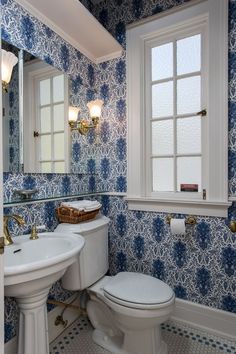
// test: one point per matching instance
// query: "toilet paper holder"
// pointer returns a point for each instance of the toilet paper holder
(190, 220)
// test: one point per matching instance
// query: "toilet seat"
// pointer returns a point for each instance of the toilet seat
(130, 290)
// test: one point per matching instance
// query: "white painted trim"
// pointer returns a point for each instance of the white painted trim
(232, 198)
(215, 12)
(171, 11)
(202, 207)
(217, 322)
(54, 331)
(1, 225)
(82, 11)
(111, 56)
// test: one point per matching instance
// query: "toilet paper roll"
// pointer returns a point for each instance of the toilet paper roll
(177, 226)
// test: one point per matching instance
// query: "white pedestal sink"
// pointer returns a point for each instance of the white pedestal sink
(30, 269)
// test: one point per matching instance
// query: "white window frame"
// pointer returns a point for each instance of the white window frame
(33, 72)
(214, 14)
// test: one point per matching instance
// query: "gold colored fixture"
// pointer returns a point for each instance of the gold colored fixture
(7, 237)
(190, 220)
(83, 125)
(232, 226)
(34, 233)
(1, 245)
(9, 60)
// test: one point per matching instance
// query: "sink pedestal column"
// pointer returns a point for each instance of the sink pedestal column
(33, 326)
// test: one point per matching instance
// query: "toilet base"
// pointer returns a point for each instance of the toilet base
(114, 344)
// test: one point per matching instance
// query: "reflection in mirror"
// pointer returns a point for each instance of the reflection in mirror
(35, 121)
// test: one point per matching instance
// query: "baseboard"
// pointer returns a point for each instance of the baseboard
(217, 322)
(54, 331)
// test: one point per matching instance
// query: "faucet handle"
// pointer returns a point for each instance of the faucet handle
(34, 233)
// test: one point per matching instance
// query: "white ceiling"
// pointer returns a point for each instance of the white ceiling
(73, 22)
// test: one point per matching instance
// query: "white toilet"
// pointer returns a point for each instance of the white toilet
(127, 309)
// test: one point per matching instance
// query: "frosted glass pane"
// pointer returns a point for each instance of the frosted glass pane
(189, 171)
(163, 175)
(189, 95)
(59, 167)
(46, 167)
(162, 137)
(44, 89)
(162, 62)
(189, 135)
(58, 88)
(59, 146)
(46, 147)
(45, 119)
(189, 55)
(58, 117)
(162, 100)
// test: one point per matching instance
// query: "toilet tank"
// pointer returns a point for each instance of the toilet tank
(92, 263)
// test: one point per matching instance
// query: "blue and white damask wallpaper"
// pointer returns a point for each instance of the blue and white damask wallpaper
(201, 265)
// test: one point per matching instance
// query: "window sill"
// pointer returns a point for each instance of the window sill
(193, 207)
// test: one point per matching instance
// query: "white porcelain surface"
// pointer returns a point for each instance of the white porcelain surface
(138, 290)
(92, 262)
(38, 261)
(126, 330)
(30, 269)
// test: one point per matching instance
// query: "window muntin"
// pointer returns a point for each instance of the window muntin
(176, 90)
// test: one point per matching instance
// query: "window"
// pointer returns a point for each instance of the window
(175, 88)
(45, 112)
(50, 123)
(177, 111)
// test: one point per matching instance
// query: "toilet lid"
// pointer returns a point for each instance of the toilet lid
(138, 289)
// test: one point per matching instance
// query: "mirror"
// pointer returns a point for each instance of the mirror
(35, 117)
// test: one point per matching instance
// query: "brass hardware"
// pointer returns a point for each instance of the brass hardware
(5, 86)
(7, 237)
(59, 320)
(232, 226)
(36, 134)
(34, 233)
(83, 126)
(202, 113)
(64, 304)
(204, 194)
(190, 220)
(1, 245)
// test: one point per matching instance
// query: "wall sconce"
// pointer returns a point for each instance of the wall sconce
(9, 60)
(82, 125)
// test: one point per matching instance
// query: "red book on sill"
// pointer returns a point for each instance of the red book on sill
(189, 187)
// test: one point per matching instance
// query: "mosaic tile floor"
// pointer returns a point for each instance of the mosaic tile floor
(181, 339)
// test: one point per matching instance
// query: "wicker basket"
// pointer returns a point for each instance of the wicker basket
(74, 216)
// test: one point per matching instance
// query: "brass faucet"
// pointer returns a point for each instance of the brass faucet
(34, 233)
(7, 237)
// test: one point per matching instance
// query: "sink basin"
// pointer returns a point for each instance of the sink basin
(30, 269)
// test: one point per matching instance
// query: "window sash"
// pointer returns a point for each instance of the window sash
(186, 32)
(52, 132)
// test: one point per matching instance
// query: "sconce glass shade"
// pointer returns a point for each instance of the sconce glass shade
(8, 61)
(73, 113)
(95, 108)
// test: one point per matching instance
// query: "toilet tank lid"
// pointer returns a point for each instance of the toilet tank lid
(84, 227)
(138, 288)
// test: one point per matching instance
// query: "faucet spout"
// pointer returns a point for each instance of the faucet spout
(7, 237)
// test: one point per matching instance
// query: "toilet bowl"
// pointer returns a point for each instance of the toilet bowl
(126, 310)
